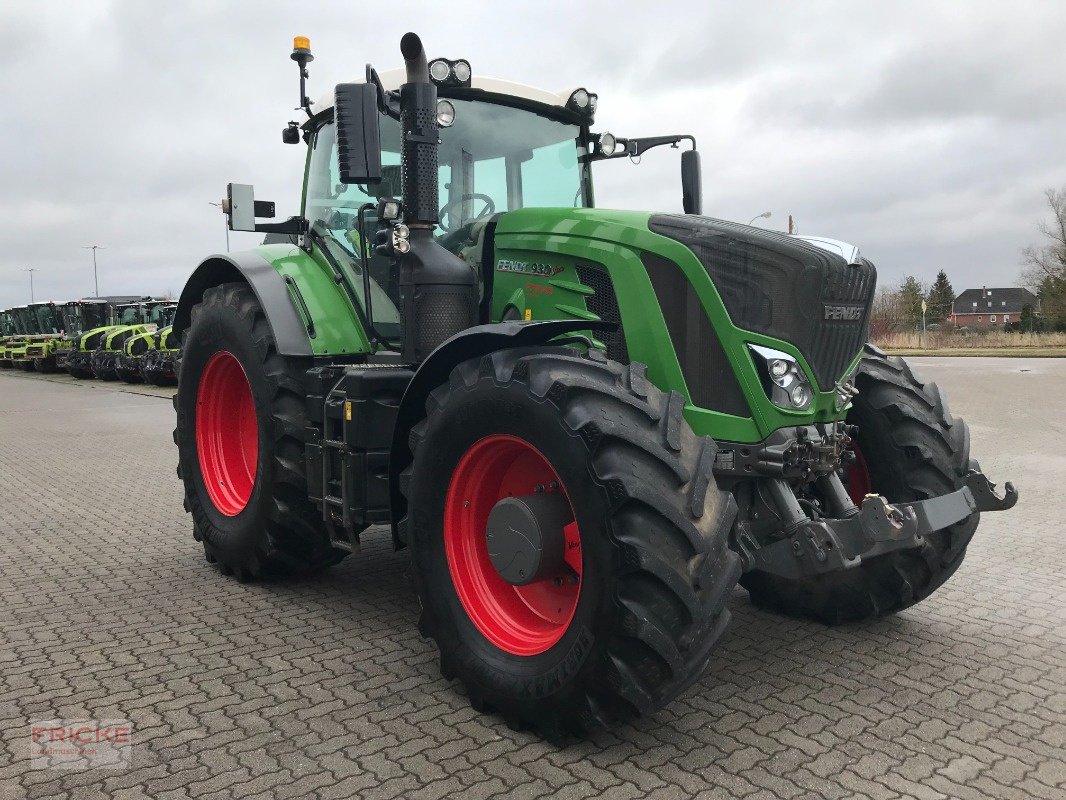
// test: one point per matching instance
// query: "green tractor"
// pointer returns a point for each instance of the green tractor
(133, 319)
(92, 321)
(131, 361)
(159, 363)
(79, 316)
(585, 425)
(41, 349)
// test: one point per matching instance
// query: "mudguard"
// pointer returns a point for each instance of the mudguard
(270, 289)
(471, 343)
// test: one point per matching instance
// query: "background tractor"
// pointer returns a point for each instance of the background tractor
(96, 319)
(159, 363)
(133, 319)
(132, 364)
(585, 425)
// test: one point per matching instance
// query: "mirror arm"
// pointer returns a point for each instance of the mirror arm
(637, 147)
(388, 102)
(293, 226)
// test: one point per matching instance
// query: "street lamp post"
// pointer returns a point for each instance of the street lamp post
(96, 281)
(31, 270)
(224, 221)
(763, 215)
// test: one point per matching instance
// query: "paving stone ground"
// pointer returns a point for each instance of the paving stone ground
(323, 688)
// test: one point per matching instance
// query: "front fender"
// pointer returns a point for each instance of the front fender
(290, 332)
(471, 343)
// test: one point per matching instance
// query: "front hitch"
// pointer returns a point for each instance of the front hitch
(816, 546)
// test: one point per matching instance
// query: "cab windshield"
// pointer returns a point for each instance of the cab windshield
(161, 315)
(92, 316)
(48, 319)
(130, 315)
(25, 322)
(494, 158)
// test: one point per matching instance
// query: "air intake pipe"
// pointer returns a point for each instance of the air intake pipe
(438, 290)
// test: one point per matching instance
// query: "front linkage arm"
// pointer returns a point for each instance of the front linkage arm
(816, 546)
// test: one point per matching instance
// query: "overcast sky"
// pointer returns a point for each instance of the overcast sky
(923, 132)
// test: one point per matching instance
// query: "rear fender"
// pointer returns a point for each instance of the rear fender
(471, 343)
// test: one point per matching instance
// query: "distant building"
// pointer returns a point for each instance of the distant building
(986, 308)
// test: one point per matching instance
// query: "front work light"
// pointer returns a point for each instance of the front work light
(445, 114)
(782, 378)
(439, 70)
(461, 70)
(450, 73)
(607, 144)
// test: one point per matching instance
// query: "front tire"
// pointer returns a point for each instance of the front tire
(638, 607)
(240, 433)
(908, 448)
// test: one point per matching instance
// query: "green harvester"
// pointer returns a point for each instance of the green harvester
(8, 334)
(41, 348)
(586, 426)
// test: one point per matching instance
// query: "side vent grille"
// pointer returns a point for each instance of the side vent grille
(604, 304)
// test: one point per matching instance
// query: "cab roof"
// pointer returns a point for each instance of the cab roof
(392, 79)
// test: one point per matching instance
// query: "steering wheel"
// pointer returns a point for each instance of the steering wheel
(445, 212)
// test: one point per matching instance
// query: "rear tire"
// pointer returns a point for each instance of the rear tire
(241, 431)
(911, 449)
(655, 566)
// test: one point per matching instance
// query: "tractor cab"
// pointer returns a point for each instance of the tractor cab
(25, 321)
(49, 318)
(7, 324)
(160, 315)
(502, 147)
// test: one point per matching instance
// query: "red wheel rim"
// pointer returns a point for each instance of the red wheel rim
(521, 620)
(859, 484)
(227, 433)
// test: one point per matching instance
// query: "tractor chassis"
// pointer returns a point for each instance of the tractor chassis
(354, 409)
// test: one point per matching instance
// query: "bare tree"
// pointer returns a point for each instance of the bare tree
(888, 315)
(1044, 265)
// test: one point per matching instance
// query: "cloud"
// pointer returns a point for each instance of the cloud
(925, 133)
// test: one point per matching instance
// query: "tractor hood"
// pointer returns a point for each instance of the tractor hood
(812, 292)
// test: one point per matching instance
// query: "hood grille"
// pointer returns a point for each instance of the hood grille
(783, 287)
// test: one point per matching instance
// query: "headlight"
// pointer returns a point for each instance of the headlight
(580, 99)
(782, 378)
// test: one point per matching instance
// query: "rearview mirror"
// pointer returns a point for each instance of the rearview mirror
(241, 207)
(358, 132)
(691, 182)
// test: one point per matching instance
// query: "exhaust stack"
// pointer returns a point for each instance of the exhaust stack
(438, 290)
